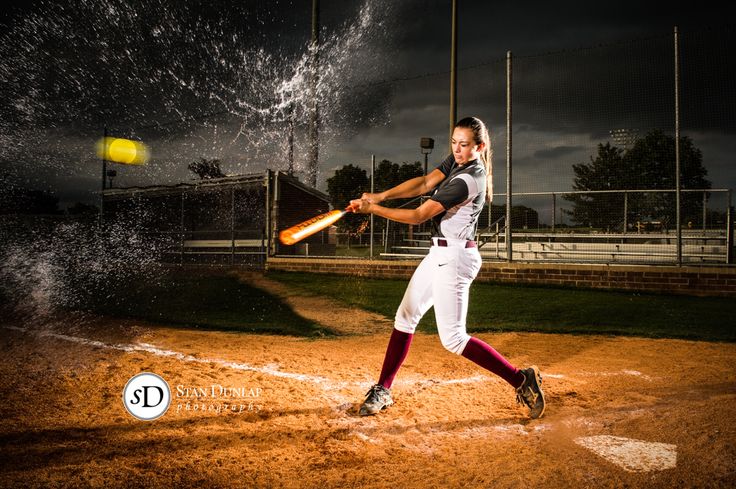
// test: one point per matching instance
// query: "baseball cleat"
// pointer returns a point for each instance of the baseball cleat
(530, 392)
(379, 398)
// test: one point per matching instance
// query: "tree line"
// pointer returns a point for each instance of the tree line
(349, 182)
(649, 164)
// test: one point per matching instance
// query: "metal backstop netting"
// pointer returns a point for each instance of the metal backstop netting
(605, 154)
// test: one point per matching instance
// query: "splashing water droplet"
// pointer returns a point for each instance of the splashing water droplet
(190, 86)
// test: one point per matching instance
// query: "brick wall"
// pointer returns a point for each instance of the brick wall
(702, 281)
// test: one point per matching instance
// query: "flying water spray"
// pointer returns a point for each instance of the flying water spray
(190, 85)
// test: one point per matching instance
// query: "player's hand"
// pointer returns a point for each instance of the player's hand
(360, 206)
(372, 198)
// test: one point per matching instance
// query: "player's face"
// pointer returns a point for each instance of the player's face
(464, 148)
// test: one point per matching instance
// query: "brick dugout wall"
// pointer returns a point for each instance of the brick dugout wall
(702, 281)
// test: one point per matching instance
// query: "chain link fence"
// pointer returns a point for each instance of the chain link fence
(598, 137)
(608, 154)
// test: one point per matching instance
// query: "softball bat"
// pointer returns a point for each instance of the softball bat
(307, 228)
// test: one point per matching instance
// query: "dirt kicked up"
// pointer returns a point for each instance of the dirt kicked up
(269, 411)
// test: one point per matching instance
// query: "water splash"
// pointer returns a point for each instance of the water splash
(190, 85)
(50, 267)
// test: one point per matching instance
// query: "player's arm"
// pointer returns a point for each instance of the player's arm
(427, 210)
(413, 187)
(453, 193)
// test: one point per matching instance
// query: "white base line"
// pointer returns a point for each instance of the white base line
(145, 347)
(323, 382)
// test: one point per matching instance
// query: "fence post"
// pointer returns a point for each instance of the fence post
(678, 215)
(373, 181)
(729, 231)
(497, 233)
(385, 244)
(626, 212)
(267, 231)
(104, 175)
(275, 214)
(509, 247)
(232, 226)
(181, 229)
(705, 210)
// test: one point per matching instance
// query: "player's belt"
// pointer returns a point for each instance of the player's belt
(468, 244)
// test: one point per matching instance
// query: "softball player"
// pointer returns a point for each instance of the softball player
(461, 185)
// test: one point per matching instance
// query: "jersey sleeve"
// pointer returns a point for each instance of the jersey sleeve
(446, 165)
(455, 192)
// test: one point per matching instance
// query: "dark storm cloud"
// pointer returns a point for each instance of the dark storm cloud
(557, 152)
(579, 72)
(226, 76)
(604, 68)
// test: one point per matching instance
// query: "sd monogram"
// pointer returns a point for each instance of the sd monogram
(146, 396)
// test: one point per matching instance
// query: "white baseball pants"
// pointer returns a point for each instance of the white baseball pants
(441, 280)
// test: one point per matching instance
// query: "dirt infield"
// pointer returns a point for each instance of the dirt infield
(268, 411)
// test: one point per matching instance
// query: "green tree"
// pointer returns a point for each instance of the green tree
(206, 169)
(648, 165)
(348, 183)
(390, 174)
(410, 170)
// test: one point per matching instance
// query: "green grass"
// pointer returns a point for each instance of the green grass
(545, 309)
(206, 301)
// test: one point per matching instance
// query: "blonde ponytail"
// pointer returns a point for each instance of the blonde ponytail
(487, 157)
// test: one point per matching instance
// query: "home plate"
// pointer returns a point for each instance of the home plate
(632, 455)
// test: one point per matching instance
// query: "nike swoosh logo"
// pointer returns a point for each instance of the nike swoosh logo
(442, 264)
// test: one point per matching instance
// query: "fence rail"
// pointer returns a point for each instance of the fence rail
(633, 226)
(636, 235)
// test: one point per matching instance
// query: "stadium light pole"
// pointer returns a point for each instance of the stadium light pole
(426, 145)
(111, 174)
(509, 166)
(290, 137)
(678, 216)
(104, 175)
(453, 73)
(314, 116)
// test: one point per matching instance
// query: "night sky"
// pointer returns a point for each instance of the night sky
(220, 79)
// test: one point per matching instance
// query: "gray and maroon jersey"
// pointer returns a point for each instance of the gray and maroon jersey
(462, 193)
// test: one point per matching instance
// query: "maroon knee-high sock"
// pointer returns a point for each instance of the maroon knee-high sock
(488, 358)
(398, 348)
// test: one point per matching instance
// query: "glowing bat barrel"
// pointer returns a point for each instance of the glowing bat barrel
(307, 228)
